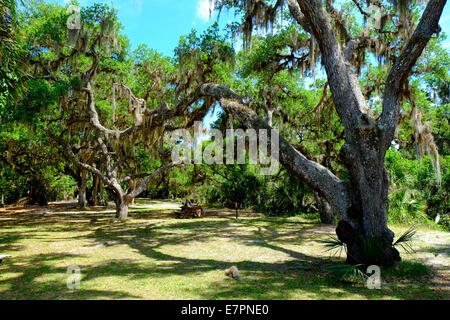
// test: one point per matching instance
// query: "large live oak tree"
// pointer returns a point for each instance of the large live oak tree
(360, 201)
(95, 69)
(66, 76)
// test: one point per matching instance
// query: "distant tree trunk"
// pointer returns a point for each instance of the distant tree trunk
(95, 190)
(325, 210)
(38, 194)
(3, 191)
(133, 185)
(122, 204)
(109, 169)
(82, 186)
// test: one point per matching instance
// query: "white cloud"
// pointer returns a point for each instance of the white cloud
(203, 9)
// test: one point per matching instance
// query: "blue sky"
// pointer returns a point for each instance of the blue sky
(160, 23)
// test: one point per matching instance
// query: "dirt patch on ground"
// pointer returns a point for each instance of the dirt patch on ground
(434, 251)
(53, 207)
(230, 213)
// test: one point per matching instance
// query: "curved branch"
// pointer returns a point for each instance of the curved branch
(149, 178)
(93, 115)
(358, 5)
(68, 150)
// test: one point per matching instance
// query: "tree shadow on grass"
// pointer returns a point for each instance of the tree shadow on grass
(304, 276)
(8, 242)
(437, 249)
(33, 278)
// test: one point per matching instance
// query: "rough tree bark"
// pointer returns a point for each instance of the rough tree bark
(360, 202)
(325, 210)
(122, 204)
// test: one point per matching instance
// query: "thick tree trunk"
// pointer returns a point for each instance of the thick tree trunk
(364, 228)
(122, 211)
(121, 207)
(363, 225)
(325, 210)
(82, 192)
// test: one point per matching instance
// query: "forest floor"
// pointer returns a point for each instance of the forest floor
(153, 255)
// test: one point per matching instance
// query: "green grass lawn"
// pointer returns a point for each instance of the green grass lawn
(155, 256)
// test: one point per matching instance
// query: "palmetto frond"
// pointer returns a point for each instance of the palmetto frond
(346, 271)
(334, 244)
(405, 240)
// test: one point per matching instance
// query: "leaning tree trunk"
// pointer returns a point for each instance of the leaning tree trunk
(325, 210)
(364, 229)
(82, 189)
